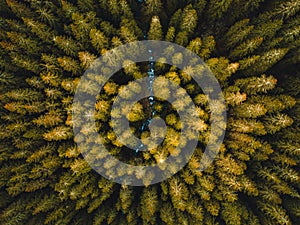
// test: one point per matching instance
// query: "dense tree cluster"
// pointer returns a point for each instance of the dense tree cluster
(252, 47)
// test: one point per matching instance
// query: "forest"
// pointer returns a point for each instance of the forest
(252, 47)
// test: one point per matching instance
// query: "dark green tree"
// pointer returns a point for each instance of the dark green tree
(252, 47)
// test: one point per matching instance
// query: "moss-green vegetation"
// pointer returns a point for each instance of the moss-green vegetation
(252, 46)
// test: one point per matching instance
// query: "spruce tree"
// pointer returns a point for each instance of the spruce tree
(252, 47)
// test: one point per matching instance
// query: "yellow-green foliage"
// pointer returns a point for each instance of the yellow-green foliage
(252, 47)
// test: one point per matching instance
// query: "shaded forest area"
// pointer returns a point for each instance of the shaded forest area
(252, 47)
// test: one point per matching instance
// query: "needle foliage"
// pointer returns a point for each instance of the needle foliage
(252, 47)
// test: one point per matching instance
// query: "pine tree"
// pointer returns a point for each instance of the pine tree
(251, 46)
(155, 30)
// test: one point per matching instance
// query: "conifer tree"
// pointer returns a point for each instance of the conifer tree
(251, 46)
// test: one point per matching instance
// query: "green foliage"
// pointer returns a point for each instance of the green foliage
(189, 19)
(246, 48)
(155, 30)
(216, 8)
(254, 85)
(251, 46)
(98, 39)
